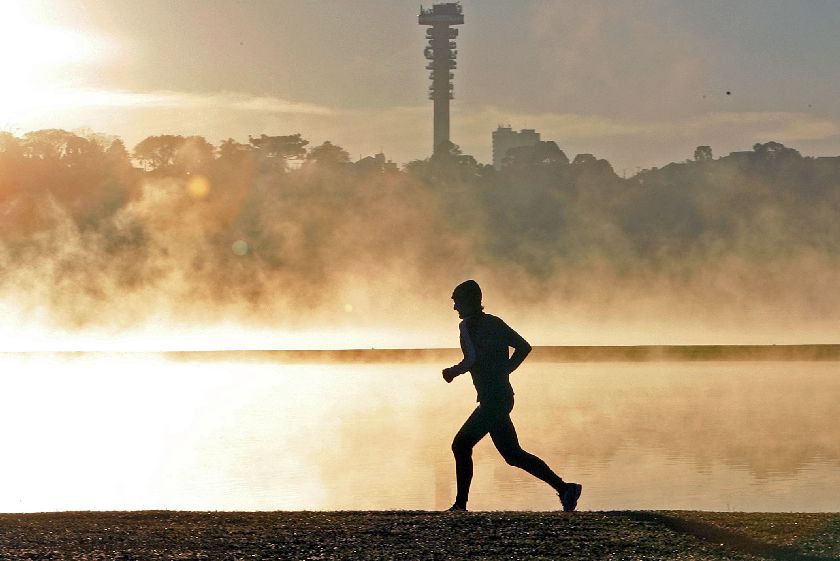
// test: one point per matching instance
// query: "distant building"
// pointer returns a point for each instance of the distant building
(505, 138)
(375, 164)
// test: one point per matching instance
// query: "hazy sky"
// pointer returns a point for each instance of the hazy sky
(639, 83)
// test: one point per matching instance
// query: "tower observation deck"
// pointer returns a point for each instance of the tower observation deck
(441, 54)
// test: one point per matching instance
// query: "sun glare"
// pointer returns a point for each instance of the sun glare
(32, 331)
(37, 58)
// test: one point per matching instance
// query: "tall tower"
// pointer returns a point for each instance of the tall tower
(441, 53)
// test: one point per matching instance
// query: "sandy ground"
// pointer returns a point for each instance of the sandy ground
(419, 535)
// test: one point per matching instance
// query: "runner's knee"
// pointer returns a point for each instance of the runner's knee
(515, 457)
(461, 446)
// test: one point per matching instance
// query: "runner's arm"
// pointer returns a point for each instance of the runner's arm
(469, 355)
(521, 348)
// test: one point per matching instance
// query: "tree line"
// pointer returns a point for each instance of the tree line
(240, 214)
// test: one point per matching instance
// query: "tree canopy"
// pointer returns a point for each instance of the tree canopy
(305, 226)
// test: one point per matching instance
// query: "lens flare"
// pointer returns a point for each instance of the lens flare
(198, 187)
(240, 248)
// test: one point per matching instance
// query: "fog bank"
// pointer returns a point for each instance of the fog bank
(739, 249)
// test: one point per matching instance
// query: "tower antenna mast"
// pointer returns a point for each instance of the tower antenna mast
(441, 54)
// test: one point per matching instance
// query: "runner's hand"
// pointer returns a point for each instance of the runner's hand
(448, 375)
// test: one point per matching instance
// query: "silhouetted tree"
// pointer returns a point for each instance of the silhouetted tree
(449, 160)
(416, 167)
(447, 149)
(156, 152)
(541, 153)
(54, 145)
(117, 154)
(10, 145)
(328, 154)
(703, 154)
(280, 148)
(589, 164)
(547, 152)
(230, 150)
(584, 159)
(194, 154)
(11, 156)
(771, 150)
(117, 150)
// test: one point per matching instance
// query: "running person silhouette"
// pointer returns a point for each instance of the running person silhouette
(485, 341)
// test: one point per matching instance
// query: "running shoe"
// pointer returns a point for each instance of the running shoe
(569, 496)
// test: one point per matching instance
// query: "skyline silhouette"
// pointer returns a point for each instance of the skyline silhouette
(639, 85)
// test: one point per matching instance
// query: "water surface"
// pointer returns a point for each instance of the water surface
(96, 432)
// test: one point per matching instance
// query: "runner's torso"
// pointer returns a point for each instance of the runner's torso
(491, 339)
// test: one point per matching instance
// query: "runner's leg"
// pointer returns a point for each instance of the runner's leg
(504, 437)
(473, 430)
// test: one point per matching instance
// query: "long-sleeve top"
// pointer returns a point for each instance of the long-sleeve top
(486, 342)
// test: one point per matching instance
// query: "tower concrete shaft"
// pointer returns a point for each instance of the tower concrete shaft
(441, 54)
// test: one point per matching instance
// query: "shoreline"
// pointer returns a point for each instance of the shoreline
(546, 353)
(553, 353)
(585, 535)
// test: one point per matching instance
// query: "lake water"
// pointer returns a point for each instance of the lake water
(114, 432)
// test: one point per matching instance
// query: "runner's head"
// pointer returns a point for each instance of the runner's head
(467, 298)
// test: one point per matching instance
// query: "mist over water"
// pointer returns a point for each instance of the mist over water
(107, 432)
(736, 249)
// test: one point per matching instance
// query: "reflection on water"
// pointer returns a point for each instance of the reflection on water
(145, 432)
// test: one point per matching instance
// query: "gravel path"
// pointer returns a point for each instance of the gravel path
(420, 535)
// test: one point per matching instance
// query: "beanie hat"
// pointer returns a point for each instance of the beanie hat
(468, 292)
